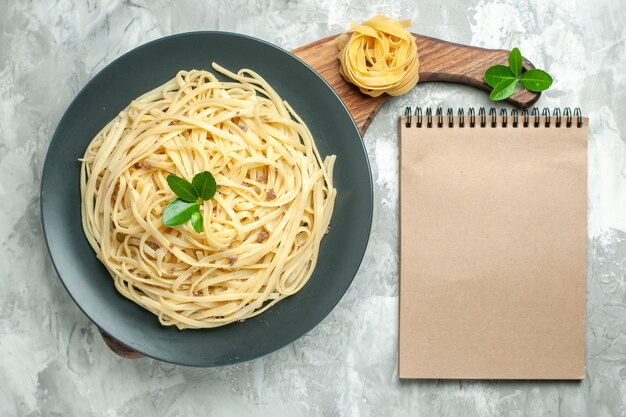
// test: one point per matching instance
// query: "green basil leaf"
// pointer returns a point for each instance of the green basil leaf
(197, 221)
(536, 80)
(504, 89)
(178, 212)
(515, 62)
(205, 185)
(496, 74)
(182, 188)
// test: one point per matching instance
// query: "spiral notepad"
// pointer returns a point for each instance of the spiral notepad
(493, 225)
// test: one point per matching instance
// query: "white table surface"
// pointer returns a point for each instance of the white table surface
(52, 360)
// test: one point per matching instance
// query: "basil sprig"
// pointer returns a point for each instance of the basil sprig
(190, 196)
(505, 80)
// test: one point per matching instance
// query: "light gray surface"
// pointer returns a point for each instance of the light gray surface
(52, 361)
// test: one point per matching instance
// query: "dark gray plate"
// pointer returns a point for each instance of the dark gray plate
(87, 280)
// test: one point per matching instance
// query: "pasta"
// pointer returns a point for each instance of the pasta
(380, 56)
(262, 229)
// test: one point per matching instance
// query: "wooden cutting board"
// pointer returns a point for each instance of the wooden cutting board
(439, 61)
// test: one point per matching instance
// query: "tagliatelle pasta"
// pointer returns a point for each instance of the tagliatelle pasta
(262, 229)
(379, 56)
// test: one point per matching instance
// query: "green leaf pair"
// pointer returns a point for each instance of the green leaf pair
(504, 80)
(190, 195)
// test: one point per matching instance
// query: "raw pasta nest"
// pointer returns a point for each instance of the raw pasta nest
(379, 56)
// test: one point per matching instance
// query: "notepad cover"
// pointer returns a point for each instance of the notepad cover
(493, 226)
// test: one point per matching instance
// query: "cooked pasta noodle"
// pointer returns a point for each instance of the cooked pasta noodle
(262, 229)
(379, 56)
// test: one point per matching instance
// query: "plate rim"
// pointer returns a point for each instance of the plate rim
(54, 138)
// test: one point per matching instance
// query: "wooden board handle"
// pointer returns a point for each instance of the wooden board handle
(462, 64)
(118, 348)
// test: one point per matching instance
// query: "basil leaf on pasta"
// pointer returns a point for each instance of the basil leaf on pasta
(182, 188)
(205, 185)
(178, 212)
(197, 221)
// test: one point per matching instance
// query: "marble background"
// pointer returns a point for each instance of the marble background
(52, 361)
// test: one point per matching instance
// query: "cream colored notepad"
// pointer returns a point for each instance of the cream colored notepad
(493, 248)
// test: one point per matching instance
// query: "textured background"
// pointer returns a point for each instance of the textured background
(52, 361)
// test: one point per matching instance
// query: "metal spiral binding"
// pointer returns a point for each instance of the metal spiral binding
(555, 117)
(579, 115)
(546, 113)
(568, 117)
(439, 117)
(525, 115)
(535, 114)
(493, 114)
(505, 117)
(556, 113)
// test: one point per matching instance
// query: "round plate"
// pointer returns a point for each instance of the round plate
(88, 281)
